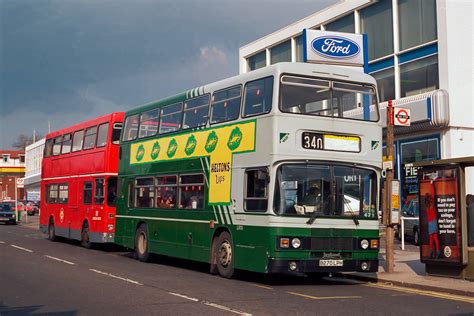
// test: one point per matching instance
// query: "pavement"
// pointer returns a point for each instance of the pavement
(408, 271)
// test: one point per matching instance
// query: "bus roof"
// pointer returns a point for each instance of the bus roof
(315, 70)
(101, 119)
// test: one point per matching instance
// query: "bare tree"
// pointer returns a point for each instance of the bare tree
(24, 140)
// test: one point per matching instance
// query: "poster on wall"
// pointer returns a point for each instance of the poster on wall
(440, 223)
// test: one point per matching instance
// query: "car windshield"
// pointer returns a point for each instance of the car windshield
(325, 191)
(318, 97)
(5, 207)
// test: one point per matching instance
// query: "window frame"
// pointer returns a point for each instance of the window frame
(137, 187)
(180, 185)
(140, 123)
(183, 111)
(175, 185)
(85, 136)
(82, 140)
(48, 148)
(60, 144)
(161, 117)
(84, 192)
(244, 98)
(267, 187)
(106, 135)
(211, 123)
(64, 140)
(124, 128)
(95, 192)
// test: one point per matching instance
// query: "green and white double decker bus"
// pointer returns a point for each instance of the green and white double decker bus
(273, 171)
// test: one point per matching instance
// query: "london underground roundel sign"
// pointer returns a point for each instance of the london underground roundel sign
(402, 117)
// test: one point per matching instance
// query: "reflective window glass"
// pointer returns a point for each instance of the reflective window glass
(257, 61)
(385, 84)
(344, 24)
(130, 131)
(299, 49)
(67, 142)
(196, 112)
(57, 145)
(99, 191)
(149, 123)
(417, 21)
(280, 53)
(77, 140)
(376, 22)
(170, 120)
(226, 105)
(102, 135)
(419, 76)
(258, 96)
(90, 137)
(87, 192)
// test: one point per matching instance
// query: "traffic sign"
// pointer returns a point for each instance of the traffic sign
(20, 182)
(401, 117)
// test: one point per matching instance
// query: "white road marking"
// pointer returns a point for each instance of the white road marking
(60, 260)
(21, 248)
(115, 277)
(225, 308)
(2, 242)
(184, 296)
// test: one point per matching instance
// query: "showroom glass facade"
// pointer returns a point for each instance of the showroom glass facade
(403, 58)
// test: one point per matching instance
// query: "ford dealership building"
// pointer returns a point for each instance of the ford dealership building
(421, 54)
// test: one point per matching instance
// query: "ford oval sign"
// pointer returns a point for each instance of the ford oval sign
(335, 47)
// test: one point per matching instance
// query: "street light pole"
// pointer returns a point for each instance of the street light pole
(389, 232)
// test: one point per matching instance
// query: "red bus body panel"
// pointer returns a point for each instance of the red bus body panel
(74, 169)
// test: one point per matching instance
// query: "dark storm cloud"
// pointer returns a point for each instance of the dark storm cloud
(67, 61)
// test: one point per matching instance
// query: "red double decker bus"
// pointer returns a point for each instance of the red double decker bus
(79, 181)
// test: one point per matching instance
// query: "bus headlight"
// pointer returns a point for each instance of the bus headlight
(296, 243)
(364, 244)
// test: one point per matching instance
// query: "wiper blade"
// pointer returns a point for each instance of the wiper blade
(312, 218)
(353, 216)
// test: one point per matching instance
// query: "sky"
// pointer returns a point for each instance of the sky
(65, 61)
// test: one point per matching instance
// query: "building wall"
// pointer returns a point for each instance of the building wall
(415, 46)
(7, 188)
(33, 160)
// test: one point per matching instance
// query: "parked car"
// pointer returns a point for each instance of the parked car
(412, 231)
(32, 208)
(7, 213)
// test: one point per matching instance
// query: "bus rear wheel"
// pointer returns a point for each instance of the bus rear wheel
(141, 243)
(51, 231)
(224, 255)
(85, 238)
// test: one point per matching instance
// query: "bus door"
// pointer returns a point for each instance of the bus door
(111, 199)
(98, 212)
(72, 207)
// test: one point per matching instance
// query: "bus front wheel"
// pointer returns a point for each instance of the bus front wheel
(51, 231)
(224, 255)
(141, 243)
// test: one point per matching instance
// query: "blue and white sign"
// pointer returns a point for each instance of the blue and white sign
(335, 48)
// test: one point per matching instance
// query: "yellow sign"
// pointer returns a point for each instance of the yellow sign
(218, 143)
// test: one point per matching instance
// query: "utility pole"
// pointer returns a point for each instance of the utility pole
(389, 232)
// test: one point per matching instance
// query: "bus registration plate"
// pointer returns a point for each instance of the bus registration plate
(330, 263)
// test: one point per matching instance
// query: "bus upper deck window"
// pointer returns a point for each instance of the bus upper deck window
(57, 145)
(130, 131)
(258, 96)
(116, 133)
(102, 134)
